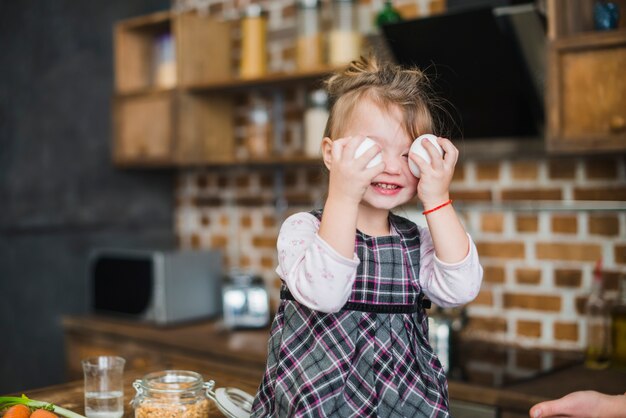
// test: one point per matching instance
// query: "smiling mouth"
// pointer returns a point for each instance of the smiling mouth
(386, 186)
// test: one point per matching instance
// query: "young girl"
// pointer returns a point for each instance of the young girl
(350, 335)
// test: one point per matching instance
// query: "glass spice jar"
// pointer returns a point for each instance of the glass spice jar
(309, 44)
(259, 137)
(184, 394)
(253, 42)
(344, 41)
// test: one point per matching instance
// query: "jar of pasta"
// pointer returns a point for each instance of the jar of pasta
(184, 394)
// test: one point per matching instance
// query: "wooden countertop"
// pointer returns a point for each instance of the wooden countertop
(237, 358)
(207, 338)
(71, 395)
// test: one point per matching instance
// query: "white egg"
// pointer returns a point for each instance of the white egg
(365, 145)
(419, 149)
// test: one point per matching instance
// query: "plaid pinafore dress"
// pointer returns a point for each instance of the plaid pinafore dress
(372, 358)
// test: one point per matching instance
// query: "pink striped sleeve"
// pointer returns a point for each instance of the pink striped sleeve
(446, 284)
(316, 275)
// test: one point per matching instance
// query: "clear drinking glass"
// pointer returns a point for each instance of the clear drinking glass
(104, 386)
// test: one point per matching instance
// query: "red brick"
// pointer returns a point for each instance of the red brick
(611, 279)
(528, 276)
(269, 221)
(529, 328)
(472, 195)
(564, 224)
(562, 169)
(492, 222)
(195, 241)
(267, 262)
(493, 274)
(566, 331)
(571, 252)
(488, 171)
(532, 302)
(532, 194)
(580, 303)
(524, 170)
(604, 225)
(501, 249)
(527, 223)
(297, 198)
(620, 253)
(246, 221)
(219, 241)
(568, 277)
(487, 324)
(600, 193)
(264, 242)
(485, 297)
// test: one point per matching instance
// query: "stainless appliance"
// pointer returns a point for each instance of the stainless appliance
(246, 301)
(163, 287)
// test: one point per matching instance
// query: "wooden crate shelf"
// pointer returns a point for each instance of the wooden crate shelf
(586, 90)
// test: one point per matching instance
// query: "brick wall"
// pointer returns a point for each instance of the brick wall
(538, 262)
(538, 259)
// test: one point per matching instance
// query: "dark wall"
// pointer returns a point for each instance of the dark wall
(60, 195)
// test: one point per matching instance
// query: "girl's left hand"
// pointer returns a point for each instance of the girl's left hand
(435, 178)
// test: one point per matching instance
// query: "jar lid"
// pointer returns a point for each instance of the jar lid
(318, 98)
(169, 381)
(232, 402)
(308, 4)
(255, 10)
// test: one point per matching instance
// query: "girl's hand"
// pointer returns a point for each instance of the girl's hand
(434, 183)
(349, 177)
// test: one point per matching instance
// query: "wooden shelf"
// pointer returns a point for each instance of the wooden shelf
(268, 81)
(233, 84)
(589, 39)
(299, 160)
(585, 87)
(190, 123)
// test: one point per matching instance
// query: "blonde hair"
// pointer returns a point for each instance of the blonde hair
(386, 85)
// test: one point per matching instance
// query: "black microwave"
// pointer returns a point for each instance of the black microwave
(162, 287)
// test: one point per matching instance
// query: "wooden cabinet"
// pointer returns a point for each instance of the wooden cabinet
(157, 120)
(586, 95)
(191, 122)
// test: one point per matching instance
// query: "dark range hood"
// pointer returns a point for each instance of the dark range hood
(487, 64)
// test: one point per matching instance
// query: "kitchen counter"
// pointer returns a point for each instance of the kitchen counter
(71, 395)
(509, 380)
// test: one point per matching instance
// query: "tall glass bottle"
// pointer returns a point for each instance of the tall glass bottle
(618, 326)
(598, 321)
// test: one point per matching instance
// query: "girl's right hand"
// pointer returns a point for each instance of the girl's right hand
(350, 177)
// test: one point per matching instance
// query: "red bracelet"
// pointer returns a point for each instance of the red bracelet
(426, 212)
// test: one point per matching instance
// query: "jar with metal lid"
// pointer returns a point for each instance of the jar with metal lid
(184, 394)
